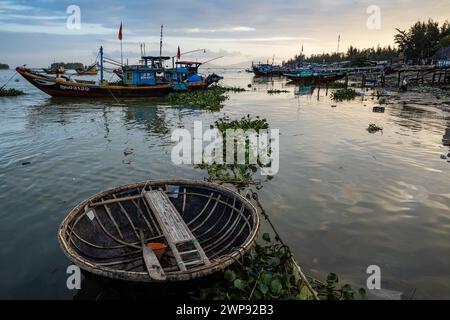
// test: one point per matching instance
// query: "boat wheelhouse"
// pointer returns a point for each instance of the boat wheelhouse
(151, 72)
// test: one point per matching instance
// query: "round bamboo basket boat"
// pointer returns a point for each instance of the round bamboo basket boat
(106, 233)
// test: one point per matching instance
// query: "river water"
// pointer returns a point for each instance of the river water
(343, 199)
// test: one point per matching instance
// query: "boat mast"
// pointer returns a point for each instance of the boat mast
(101, 64)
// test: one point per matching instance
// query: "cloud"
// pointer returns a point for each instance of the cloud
(232, 29)
(29, 17)
(57, 29)
(9, 5)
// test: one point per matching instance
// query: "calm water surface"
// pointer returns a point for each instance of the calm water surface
(343, 199)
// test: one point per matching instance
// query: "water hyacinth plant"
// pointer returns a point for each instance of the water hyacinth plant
(211, 99)
(268, 273)
(373, 128)
(11, 92)
(344, 94)
(240, 175)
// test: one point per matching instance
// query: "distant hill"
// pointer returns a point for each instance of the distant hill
(67, 65)
(4, 66)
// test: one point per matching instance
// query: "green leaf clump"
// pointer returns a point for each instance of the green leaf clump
(10, 92)
(211, 99)
(344, 94)
(373, 128)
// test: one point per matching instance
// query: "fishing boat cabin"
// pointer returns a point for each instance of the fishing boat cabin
(186, 71)
(151, 72)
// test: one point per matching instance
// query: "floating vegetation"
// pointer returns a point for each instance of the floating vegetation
(344, 94)
(232, 89)
(276, 91)
(240, 175)
(269, 270)
(11, 92)
(245, 123)
(330, 290)
(268, 273)
(373, 128)
(211, 99)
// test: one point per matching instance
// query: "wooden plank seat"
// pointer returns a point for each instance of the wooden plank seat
(185, 247)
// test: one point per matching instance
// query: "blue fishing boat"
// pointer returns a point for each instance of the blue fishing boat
(312, 75)
(268, 70)
(148, 79)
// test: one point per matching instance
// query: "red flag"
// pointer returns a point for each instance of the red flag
(178, 53)
(120, 32)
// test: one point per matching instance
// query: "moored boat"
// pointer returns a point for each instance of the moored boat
(54, 70)
(268, 70)
(312, 76)
(150, 79)
(159, 231)
(87, 71)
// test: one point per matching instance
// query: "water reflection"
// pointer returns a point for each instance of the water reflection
(338, 187)
(95, 287)
(304, 90)
(446, 137)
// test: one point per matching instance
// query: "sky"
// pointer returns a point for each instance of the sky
(40, 32)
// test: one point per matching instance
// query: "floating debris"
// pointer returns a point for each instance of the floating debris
(374, 128)
(378, 109)
(26, 163)
(128, 151)
(11, 92)
(344, 94)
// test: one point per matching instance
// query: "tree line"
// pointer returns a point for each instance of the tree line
(421, 41)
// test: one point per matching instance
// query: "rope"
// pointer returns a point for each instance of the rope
(113, 96)
(254, 196)
(8, 80)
